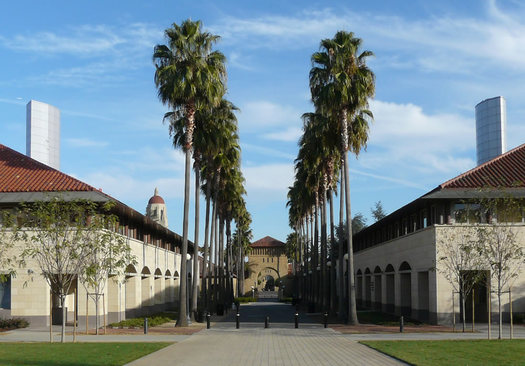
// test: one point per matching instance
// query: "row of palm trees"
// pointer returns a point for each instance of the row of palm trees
(191, 81)
(341, 84)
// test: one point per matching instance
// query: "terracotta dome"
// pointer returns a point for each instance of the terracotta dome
(156, 198)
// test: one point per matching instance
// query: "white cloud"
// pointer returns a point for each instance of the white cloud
(85, 142)
(260, 115)
(440, 42)
(291, 134)
(269, 182)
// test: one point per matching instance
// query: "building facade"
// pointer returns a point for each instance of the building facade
(151, 284)
(267, 263)
(397, 260)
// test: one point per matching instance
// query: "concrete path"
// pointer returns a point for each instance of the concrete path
(268, 347)
(281, 344)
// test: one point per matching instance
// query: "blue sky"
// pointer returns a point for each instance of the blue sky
(434, 61)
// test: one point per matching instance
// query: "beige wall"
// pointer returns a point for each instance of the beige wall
(151, 286)
(266, 261)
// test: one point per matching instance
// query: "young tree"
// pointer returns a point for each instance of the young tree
(358, 223)
(108, 255)
(499, 246)
(458, 260)
(57, 236)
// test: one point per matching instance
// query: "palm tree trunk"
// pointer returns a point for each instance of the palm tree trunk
(352, 309)
(324, 277)
(222, 299)
(217, 261)
(213, 263)
(207, 257)
(332, 257)
(341, 287)
(182, 320)
(196, 275)
(316, 252)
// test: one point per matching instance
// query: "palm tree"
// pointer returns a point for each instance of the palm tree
(341, 84)
(189, 76)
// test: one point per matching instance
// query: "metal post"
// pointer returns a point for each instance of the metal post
(267, 322)
(50, 316)
(104, 311)
(87, 309)
(145, 325)
(296, 320)
(237, 320)
(453, 313)
(510, 309)
(401, 324)
(75, 317)
(325, 319)
(208, 320)
(473, 317)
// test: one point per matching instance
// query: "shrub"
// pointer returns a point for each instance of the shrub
(286, 299)
(244, 300)
(153, 321)
(518, 318)
(13, 323)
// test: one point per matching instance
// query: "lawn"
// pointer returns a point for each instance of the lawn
(78, 354)
(469, 352)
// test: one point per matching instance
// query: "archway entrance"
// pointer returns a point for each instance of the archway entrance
(267, 279)
(269, 283)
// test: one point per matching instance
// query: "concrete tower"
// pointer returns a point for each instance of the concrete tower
(43, 133)
(156, 209)
(491, 129)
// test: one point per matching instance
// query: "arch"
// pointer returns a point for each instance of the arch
(145, 271)
(377, 269)
(130, 269)
(158, 272)
(158, 287)
(359, 273)
(389, 268)
(405, 266)
(147, 291)
(367, 270)
(262, 275)
(168, 273)
(176, 274)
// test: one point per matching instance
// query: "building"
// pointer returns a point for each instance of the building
(156, 209)
(396, 260)
(43, 133)
(491, 128)
(267, 264)
(149, 285)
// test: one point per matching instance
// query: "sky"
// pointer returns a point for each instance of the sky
(434, 61)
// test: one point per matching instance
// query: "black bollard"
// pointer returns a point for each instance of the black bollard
(208, 320)
(267, 322)
(237, 320)
(325, 319)
(145, 325)
(401, 324)
(296, 320)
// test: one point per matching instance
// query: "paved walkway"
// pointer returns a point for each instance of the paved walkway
(268, 347)
(281, 344)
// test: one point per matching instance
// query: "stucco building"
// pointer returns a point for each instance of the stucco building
(268, 263)
(397, 266)
(149, 285)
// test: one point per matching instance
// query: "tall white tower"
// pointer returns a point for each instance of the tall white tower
(491, 128)
(43, 133)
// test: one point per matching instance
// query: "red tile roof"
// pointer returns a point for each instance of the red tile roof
(267, 242)
(505, 171)
(19, 173)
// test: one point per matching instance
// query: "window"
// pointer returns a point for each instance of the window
(5, 294)
(467, 213)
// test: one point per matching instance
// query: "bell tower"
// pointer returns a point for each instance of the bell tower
(156, 209)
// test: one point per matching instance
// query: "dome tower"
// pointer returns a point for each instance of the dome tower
(156, 209)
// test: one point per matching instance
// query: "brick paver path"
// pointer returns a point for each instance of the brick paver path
(281, 344)
(268, 347)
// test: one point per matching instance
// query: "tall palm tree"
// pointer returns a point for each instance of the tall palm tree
(188, 76)
(341, 84)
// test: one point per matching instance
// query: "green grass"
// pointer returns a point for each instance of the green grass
(379, 318)
(244, 300)
(153, 320)
(78, 354)
(460, 352)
